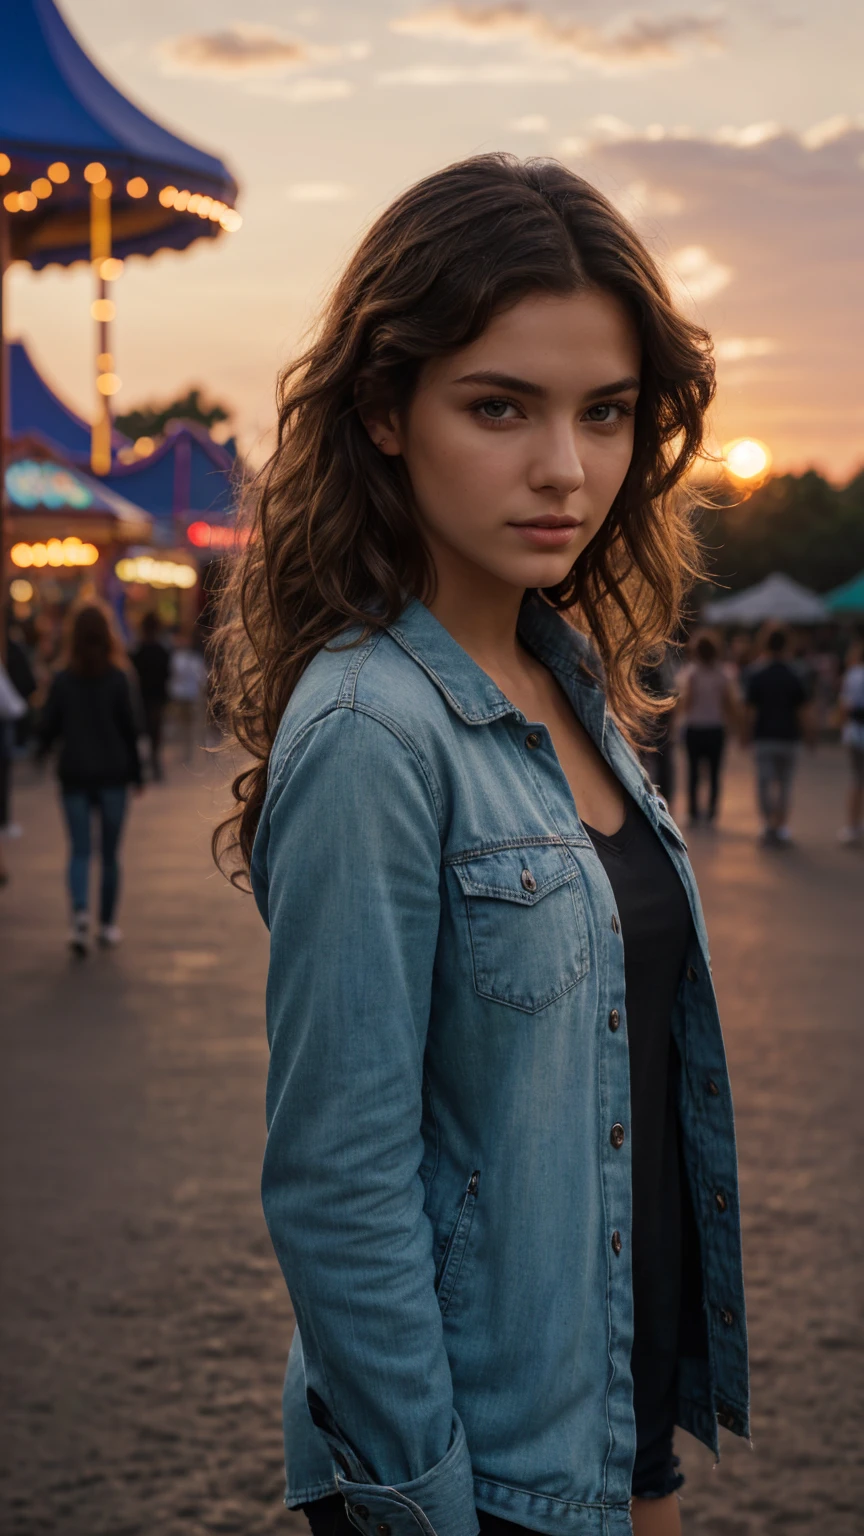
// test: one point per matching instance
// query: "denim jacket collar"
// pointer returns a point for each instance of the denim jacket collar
(469, 690)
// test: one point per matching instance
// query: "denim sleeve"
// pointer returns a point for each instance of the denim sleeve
(353, 906)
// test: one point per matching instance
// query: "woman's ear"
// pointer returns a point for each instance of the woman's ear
(383, 429)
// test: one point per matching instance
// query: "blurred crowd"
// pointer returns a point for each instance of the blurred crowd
(776, 692)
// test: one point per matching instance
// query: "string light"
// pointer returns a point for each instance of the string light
(230, 221)
(103, 309)
(105, 361)
(181, 201)
(94, 172)
(155, 573)
(110, 269)
(11, 202)
(27, 201)
(58, 171)
(103, 190)
(5, 164)
(137, 187)
(167, 196)
(21, 591)
(143, 447)
(56, 552)
(41, 187)
(108, 384)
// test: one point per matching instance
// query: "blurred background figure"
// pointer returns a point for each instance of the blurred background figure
(707, 706)
(152, 662)
(13, 706)
(187, 689)
(852, 713)
(89, 710)
(776, 721)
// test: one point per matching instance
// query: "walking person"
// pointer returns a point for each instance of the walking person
(152, 662)
(507, 1218)
(707, 705)
(775, 721)
(89, 711)
(187, 688)
(852, 713)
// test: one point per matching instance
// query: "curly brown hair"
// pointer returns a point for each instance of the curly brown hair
(330, 534)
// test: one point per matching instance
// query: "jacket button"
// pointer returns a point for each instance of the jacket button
(533, 740)
(616, 1243)
(361, 1510)
(727, 1317)
(614, 1020)
(712, 1088)
(720, 1200)
(692, 973)
(616, 926)
(528, 881)
(616, 1135)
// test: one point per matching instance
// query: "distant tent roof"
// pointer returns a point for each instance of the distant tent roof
(43, 489)
(187, 478)
(34, 407)
(847, 599)
(777, 597)
(56, 105)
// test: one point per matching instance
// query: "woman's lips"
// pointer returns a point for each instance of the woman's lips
(547, 535)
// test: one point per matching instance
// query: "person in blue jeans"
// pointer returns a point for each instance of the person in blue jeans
(89, 711)
(500, 1173)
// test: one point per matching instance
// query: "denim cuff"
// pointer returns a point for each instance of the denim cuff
(439, 1503)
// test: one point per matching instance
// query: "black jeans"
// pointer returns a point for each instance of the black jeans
(704, 744)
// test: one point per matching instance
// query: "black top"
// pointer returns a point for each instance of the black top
(94, 719)
(656, 927)
(153, 663)
(776, 693)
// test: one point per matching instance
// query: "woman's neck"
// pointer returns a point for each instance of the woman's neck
(481, 613)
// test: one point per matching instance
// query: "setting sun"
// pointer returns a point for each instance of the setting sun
(746, 458)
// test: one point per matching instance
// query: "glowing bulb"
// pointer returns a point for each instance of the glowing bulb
(42, 187)
(11, 202)
(105, 361)
(110, 269)
(21, 555)
(27, 201)
(103, 190)
(204, 206)
(21, 591)
(746, 458)
(230, 220)
(55, 552)
(181, 200)
(167, 196)
(137, 187)
(108, 384)
(5, 164)
(58, 171)
(144, 446)
(94, 172)
(194, 202)
(38, 555)
(103, 309)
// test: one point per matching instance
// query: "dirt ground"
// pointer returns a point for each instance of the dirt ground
(145, 1321)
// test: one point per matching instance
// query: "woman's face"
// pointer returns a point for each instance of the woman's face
(517, 445)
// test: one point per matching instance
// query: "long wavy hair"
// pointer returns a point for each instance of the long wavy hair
(329, 536)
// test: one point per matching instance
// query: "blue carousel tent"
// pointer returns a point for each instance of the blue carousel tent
(57, 107)
(34, 408)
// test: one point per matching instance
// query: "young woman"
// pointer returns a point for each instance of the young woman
(89, 708)
(500, 1172)
(707, 703)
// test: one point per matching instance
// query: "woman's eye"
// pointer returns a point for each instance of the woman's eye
(494, 410)
(608, 413)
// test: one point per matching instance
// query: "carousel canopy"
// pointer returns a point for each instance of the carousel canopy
(59, 118)
(848, 599)
(777, 597)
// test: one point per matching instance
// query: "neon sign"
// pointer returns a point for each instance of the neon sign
(33, 484)
(214, 536)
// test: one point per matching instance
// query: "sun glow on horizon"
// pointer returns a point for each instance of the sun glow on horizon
(747, 458)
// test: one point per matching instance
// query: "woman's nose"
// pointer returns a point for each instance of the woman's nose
(558, 466)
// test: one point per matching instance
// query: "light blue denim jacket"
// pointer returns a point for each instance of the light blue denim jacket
(440, 1182)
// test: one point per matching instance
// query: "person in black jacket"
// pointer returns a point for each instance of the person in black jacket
(89, 709)
(152, 662)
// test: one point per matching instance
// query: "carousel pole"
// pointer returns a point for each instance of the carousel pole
(102, 310)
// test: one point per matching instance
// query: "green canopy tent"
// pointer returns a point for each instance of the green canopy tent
(847, 601)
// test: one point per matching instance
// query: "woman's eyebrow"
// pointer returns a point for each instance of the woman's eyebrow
(526, 387)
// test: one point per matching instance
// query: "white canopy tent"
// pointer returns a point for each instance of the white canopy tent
(777, 597)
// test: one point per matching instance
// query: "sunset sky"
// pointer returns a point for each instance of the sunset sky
(728, 132)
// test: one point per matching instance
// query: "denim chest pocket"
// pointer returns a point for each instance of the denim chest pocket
(526, 922)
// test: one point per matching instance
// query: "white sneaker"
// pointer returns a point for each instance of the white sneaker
(79, 935)
(109, 935)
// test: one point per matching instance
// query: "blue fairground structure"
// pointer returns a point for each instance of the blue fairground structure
(187, 482)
